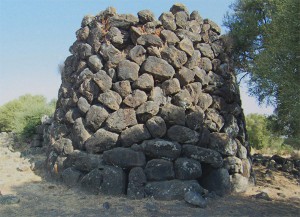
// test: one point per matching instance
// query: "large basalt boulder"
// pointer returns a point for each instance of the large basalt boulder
(136, 183)
(135, 134)
(159, 169)
(92, 181)
(187, 169)
(83, 161)
(101, 141)
(149, 107)
(223, 143)
(183, 134)
(96, 116)
(158, 148)
(173, 114)
(71, 176)
(114, 181)
(124, 158)
(159, 68)
(203, 155)
(156, 126)
(121, 119)
(171, 190)
(217, 180)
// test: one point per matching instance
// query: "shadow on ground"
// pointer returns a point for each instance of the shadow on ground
(53, 199)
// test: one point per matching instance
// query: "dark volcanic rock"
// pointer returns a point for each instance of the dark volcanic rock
(122, 21)
(156, 126)
(96, 116)
(92, 181)
(178, 7)
(175, 57)
(128, 70)
(239, 183)
(183, 134)
(63, 146)
(169, 36)
(159, 148)
(194, 37)
(144, 82)
(203, 155)
(159, 169)
(146, 16)
(79, 133)
(186, 45)
(157, 95)
(171, 86)
(103, 81)
(147, 110)
(195, 199)
(101, 141)
(137, 54)
(83, 105)
(183, 99)
(218, 180)
(181, 19)
(110, 99)
(194, 120)
(149, 40)
(222, 143)
(263, 196)
(173, 114)
(194, 60)
(95, 63)
(231, 126)
(114, 181)
(187, 169)
(71, 176)
(168, 21)
(134, 134)
(159, 68)
(123, 88)
(135, 99)
(121, 119)
(216, 118)
(185, 76)
(83, 161)
(136, 183)
(171, 190)
(233, 165)
(124, 158)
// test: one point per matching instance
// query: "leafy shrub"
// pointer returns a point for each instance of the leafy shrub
(22, 115)
(258, 134)
(261, 137)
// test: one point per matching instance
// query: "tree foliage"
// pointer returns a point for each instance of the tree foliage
(22, 115)
(259, 134)
(266, 47)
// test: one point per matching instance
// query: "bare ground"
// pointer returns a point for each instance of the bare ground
(40, 196)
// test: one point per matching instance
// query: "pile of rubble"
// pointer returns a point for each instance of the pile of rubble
(276, 162)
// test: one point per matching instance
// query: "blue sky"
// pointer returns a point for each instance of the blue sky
(36, 35)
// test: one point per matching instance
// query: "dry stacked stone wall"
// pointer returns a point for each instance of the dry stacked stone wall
(149, 107)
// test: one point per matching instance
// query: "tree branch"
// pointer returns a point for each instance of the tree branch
(239, 82)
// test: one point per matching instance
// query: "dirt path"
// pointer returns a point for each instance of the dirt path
(41, 197)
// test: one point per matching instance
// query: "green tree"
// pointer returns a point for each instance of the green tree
(266, 47)
(258, 133)
(22, 115)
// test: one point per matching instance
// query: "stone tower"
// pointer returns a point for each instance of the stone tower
(149, 107)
